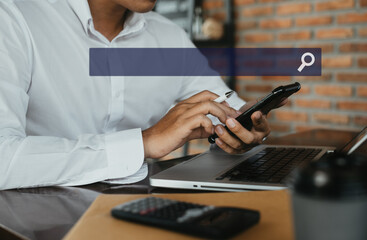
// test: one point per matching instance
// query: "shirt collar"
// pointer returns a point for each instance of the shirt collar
(133, 23)
(82, 11)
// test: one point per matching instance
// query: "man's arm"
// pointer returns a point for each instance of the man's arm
(29, 161)
(226, 141)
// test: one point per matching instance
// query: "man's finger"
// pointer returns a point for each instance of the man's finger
(231, 112)
(282, 103)
(201, 97)
(242, 133)
(260, 124)
(200, 125)
(227, 138)
(210, 107)
(225, 147)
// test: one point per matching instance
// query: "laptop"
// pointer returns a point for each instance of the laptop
(265, 167)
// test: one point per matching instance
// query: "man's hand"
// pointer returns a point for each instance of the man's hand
(244, 138)
(184, 122)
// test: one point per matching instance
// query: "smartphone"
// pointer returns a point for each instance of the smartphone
(266, 104)
(204, 221)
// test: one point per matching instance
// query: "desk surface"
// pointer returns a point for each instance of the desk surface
(274, 207)
(49, 213)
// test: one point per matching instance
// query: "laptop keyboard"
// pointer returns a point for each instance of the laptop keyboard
(271, 165)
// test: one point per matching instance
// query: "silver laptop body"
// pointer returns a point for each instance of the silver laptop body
(206, 170)
(202, 171)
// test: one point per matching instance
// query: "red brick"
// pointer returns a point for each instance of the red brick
(276, 78)
(243, 2)
(313, 103)
(292, 8)
(353, 47)
(352, 18)
(325, 47)
(331, 118)
(352, 105)
(363, 3)
(334, 4)
(220, 16)
(360, 120)
(257, 11)
(337, 62)
(323, 77)
(268, 1)
(362, 32)
(362, 91)
(362, 62)
(259, 88)
(352, 77)
(330, 90)
(313, 21)
(237, 87)
(241, 26)
(302, 128)
(305, 90)
(276, 23)
(213, 4)
(290, 116)
(278, 127)
(246, 78)
(237, 39)
(278, 45)
(334, 33)
(300, 35)
(237, 15)
(259, 37)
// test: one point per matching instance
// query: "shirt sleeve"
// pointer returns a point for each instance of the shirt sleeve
(32, 161)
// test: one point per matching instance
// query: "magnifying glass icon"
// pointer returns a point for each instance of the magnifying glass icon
(304, 63)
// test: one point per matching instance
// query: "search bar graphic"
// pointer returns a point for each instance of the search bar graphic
(304, 63)
(205, 62)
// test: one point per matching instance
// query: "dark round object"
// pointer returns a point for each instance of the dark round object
(212, 138)
(337, 176)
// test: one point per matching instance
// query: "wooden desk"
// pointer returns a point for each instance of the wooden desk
(274, 207)
(49, 213)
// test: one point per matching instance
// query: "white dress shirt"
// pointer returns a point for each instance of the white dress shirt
(58, 125)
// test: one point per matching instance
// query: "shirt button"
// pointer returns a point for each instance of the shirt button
(119, 94)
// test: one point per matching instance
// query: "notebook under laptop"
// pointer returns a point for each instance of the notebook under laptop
(265, 167)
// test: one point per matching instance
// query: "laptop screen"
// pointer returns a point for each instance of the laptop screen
(356, 141)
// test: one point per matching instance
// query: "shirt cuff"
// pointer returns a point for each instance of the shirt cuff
(125, 152)
(235, 101)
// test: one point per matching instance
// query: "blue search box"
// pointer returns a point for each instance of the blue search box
(205, 61)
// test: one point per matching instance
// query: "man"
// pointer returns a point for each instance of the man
(59, 126)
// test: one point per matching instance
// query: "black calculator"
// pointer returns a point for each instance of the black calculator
(189, 218)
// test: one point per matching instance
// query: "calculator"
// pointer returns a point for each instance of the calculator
(189, 218)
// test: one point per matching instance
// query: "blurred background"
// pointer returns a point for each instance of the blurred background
(337, 99)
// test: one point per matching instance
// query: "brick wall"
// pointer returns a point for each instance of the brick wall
(337, 99)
